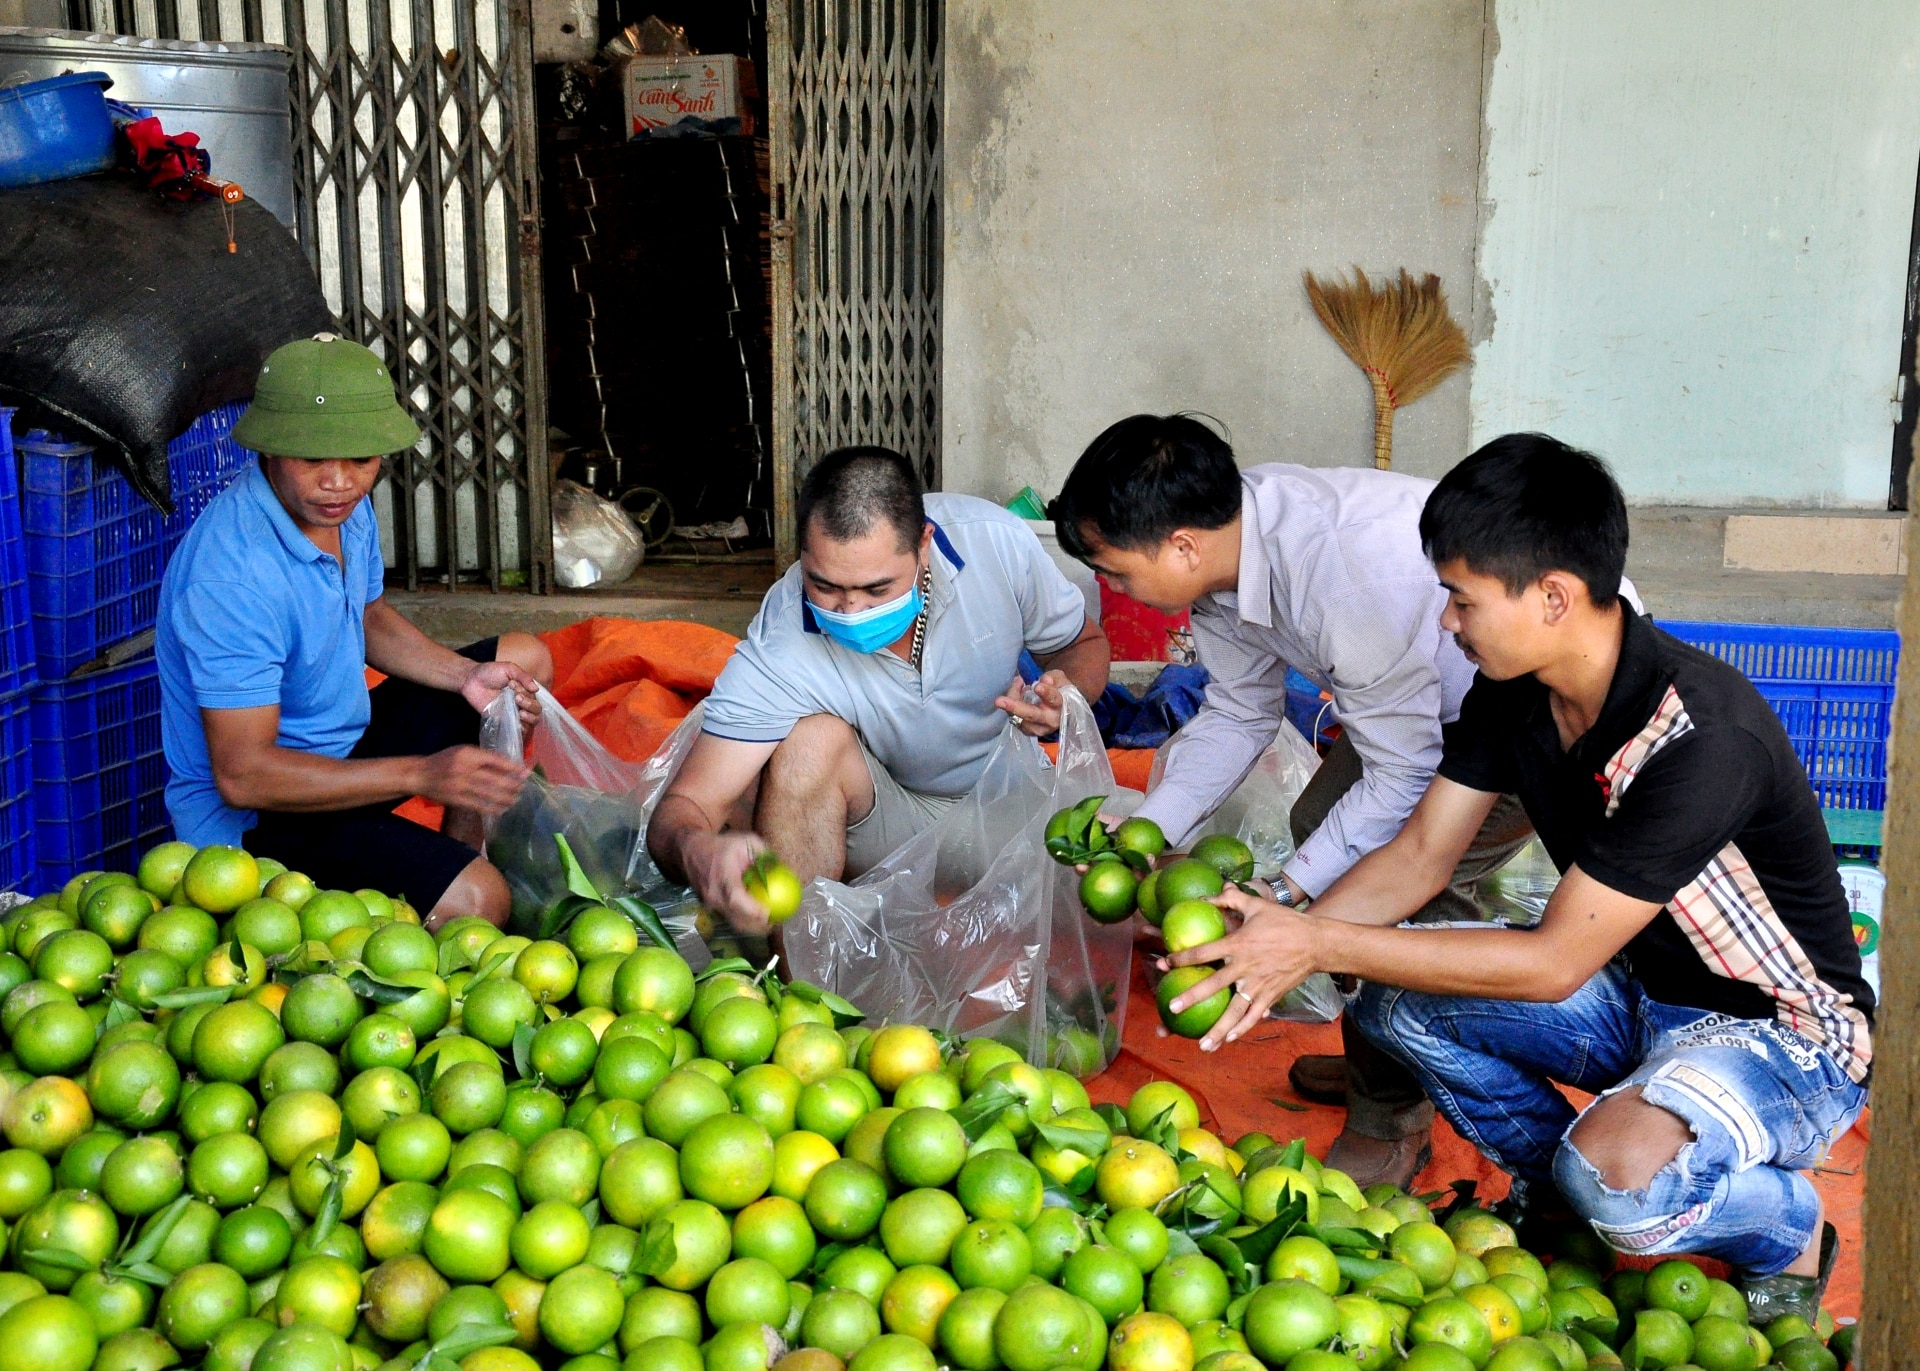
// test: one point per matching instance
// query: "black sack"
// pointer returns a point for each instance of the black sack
(123, 317)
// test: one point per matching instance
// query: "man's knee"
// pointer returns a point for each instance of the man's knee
(812, 757)
(479, 890)
(528, 653)
(1610, 1169)
(1625, 1141)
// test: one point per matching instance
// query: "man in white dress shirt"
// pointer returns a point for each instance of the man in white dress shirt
(1320, 569)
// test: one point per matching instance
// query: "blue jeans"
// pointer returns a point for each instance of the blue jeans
(1761, 1101)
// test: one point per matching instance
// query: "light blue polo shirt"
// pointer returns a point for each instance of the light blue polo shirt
(252, 613)
(995, 591)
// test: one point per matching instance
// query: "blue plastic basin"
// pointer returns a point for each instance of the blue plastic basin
(55, 129)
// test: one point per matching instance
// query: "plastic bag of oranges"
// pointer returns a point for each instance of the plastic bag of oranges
(971, 928)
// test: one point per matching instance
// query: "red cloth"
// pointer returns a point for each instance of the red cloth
(1141, 634)
(168, 161)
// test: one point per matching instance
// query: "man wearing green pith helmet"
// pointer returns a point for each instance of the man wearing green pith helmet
(269, 614)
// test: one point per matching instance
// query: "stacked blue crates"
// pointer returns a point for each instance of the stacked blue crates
(1833, 691)
(17, 679)
(95, 555)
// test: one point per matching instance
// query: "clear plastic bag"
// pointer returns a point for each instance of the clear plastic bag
(594, 542)
(1517, 893)
(1259, 813)
(599, 803)
(971, 928)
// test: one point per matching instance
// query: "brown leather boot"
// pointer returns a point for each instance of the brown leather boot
(1371, 1161)
(1322, 1079)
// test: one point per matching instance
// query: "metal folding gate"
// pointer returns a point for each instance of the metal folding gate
(855, 93)
(418, 205)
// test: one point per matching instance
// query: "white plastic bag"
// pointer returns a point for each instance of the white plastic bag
(594, 542)
(1517, 894)
(599, 803)
(1259, 813)
(971, 928)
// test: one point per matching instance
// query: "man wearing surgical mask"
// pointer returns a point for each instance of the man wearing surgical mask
(873, 683)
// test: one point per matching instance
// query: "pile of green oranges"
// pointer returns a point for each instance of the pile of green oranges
(1122, 878)
(255, 1126)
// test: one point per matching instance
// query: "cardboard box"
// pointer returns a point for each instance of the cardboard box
(682, 96)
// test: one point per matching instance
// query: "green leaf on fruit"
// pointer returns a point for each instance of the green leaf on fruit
(1343, 1239)
(1180, 1245)
(561, 913)
(471, 1337)
(378, 988)
(741, 966)
(57, 1257)
(146, 1273)
(1294, 1154)
(1162, 1132)
(658, 1249)
(1085, 1139)
(328, 1216)
(523, 1051)
(577, 880)
(1258, 1245)
(982, 1109)
(199, 994)
(645, 917)
(845, 1012)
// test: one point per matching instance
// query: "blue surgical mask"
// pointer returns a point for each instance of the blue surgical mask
(869, 630)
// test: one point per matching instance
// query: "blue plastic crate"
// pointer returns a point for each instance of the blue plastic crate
(95, 549)
(18, 849)
(17, 672)
(1833, 691)
(99, 778)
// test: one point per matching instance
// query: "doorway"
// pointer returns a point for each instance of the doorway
(723, 307)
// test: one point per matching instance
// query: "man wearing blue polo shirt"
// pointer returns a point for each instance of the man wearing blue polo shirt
(269, 614)
(873, 683)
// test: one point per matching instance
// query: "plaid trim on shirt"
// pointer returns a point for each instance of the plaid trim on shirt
(1727, 916)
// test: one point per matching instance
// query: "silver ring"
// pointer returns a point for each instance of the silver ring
(1243, 994)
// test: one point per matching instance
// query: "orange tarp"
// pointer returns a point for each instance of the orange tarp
(631, 682)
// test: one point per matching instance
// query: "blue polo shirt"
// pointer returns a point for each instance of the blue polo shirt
(251, 614)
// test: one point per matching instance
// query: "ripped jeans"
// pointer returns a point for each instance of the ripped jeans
(1761, 1101)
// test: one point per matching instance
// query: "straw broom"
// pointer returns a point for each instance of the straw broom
(1400, 334)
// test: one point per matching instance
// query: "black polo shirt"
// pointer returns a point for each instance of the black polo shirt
(1687, 793)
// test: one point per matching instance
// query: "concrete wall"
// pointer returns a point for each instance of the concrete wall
(1696, 237)
(1133, 190)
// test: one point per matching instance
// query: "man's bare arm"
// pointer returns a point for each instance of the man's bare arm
(685, 834)
(1275, 949)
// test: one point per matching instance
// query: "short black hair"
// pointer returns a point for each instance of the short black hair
(853, 488)
(1143, 478)
(1526, 504)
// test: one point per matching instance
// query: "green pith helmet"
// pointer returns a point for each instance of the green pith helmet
(325, 398)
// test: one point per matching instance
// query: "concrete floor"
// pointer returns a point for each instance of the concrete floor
(721, 594)
(1675, 560)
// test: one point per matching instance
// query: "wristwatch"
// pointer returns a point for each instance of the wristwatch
(1283, 893)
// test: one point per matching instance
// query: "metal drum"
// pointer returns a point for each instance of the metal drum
(234, 95)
